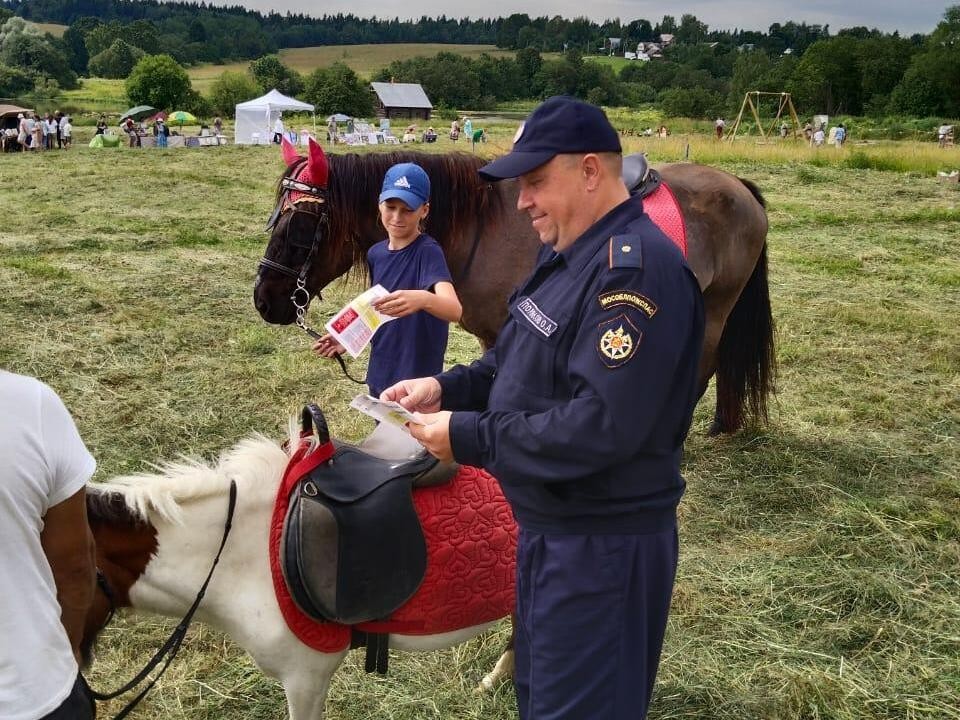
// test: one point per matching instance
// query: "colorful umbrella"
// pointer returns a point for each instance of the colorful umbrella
(138, 112)
(181, 118)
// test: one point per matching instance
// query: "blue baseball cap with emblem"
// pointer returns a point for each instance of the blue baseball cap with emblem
(407, 182)
(557, 126)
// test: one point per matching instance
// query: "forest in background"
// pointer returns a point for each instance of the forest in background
(703, 73)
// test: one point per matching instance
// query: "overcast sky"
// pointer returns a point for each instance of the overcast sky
(907, 16)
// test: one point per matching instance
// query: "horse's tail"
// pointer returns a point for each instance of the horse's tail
(746, 359)
(755, 191)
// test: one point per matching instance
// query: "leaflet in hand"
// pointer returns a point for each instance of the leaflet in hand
(354, 325)
(384, 410)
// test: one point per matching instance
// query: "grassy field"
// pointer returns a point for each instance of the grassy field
(818, 574)
(52, 28)
(109, 95)
(614, 61)
(365, 60)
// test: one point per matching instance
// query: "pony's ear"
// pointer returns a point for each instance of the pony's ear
(317, 162)
(289, 153)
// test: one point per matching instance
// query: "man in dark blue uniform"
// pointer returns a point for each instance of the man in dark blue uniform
(580, 411)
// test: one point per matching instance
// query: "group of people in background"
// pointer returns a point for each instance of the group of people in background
(818, 136)
(136, 130)
(466, 126)
(38, 132)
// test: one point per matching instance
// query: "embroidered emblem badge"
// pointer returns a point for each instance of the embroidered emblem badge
(630, 298)
(402, 182)
(619, 339)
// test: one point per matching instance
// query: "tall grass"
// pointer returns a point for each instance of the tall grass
(899, 157)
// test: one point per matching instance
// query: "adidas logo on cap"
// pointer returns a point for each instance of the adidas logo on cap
(402, 182)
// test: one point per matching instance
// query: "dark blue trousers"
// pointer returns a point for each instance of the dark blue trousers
(78, 705)
(591, 614)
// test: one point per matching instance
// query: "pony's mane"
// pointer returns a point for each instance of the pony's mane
(256, 461)
(459, 198)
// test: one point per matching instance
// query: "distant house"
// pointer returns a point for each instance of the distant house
(613, 44)
(648, 51)
(402, 100)
(746, 47)
(666, 39)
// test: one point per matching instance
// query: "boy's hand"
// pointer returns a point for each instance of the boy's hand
(328, 347)
(401, 303)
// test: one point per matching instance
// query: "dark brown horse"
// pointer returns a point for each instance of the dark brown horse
(320, 234)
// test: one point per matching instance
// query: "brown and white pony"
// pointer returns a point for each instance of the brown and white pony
(157, 534)
(490, 248)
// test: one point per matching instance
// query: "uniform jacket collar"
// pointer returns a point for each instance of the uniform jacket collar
(586, 246)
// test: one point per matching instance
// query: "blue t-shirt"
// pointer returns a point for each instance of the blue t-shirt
(411, 346)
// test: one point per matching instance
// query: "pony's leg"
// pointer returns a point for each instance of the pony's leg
(501, 671)
(307, 682)
(505, 665)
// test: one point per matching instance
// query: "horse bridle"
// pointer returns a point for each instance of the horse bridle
(108, 593)
(313, 196)
(313, 201)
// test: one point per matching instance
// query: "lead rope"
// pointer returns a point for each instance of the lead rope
(172, 646)
(301, 323)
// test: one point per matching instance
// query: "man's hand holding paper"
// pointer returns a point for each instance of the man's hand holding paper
(417, 395)
(434, 434)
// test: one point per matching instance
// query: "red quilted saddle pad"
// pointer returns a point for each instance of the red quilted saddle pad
(471, 549)
(663, 209)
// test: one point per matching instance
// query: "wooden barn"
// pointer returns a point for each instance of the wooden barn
(401, 100)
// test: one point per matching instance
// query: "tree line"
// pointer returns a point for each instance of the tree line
(703, 73)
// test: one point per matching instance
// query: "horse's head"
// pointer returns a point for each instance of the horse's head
(125, 543)
(300, 258)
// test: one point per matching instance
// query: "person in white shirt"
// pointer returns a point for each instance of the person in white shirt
(66, 131)
(61, 121)
(35, 131)
(49, 132)
(23, 132)
(277, 130)
(46, 568)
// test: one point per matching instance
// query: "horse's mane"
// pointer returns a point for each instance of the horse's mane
(459, 198)
(256, 461)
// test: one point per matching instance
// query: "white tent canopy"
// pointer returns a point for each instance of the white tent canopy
(255, 118)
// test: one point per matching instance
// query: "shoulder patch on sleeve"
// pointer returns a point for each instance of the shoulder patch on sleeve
(625, 252)
(633, 299)
(617, 341)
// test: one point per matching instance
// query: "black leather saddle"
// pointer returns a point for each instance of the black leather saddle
(641, 179)
(353, 549)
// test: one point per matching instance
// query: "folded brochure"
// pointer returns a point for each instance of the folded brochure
(385, 411)
(354, 325)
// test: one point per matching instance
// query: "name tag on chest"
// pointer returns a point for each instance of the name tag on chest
(535, 316)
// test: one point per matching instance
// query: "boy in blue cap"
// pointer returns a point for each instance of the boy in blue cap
(410, 264)
(580, 411)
